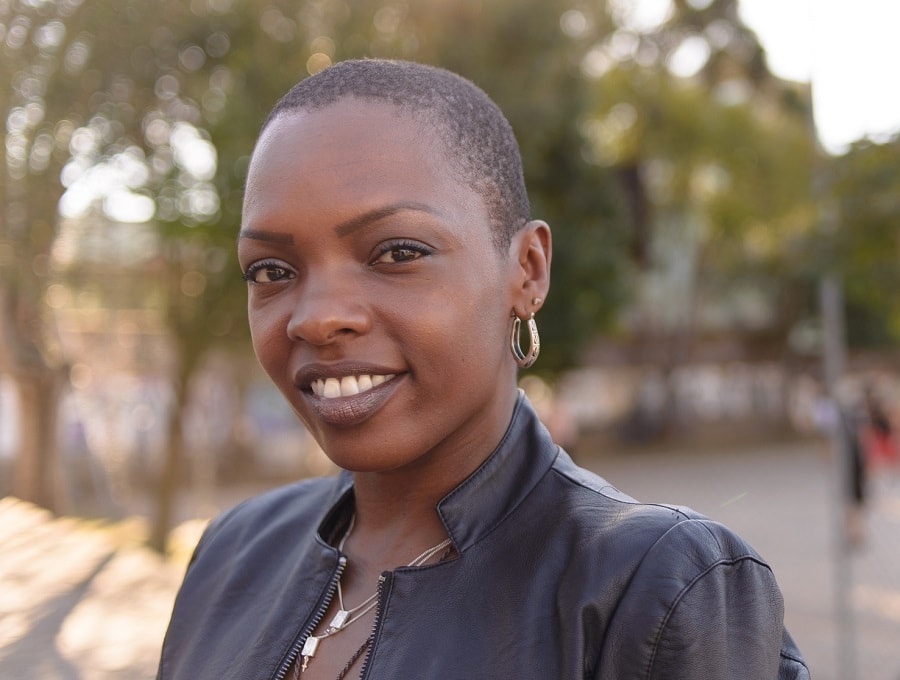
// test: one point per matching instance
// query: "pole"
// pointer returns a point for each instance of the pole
(833, 355)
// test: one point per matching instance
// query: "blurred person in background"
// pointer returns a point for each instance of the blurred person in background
(843, 424)
(392, 262)
(877, 432)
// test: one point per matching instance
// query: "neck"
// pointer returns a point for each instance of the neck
(390, 530)
(416, 488)
(396, 511)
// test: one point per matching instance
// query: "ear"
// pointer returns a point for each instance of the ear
(532, 248)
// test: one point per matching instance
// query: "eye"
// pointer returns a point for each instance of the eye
(267, 271)
(398, 252)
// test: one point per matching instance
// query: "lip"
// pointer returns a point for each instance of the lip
(351, 410)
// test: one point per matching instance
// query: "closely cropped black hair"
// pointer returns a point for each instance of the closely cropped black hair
(479, 141)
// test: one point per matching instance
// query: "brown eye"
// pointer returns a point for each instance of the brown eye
(397, 253)
(267, 272)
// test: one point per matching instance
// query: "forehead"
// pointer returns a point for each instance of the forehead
(349, 153)
(351, 119)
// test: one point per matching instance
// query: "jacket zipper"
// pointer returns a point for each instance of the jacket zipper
(382, 579)
(316, 620)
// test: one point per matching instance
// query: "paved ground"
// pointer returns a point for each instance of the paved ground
(79, 600)
(83, 601)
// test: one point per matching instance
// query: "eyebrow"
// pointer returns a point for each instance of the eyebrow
(346, 227)
(271, 236)
(349, 226)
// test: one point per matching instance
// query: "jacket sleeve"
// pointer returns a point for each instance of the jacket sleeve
(702, 604)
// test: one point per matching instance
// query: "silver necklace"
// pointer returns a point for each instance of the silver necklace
(344, 617)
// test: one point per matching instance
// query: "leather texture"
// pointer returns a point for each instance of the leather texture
(558, 575)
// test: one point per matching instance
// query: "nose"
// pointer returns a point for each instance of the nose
(328, 309)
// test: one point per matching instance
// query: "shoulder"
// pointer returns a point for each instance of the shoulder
(259, 541)
(698, 563)
(673, 594)
(669, 532)
(694, 598)
(701, 601)
(261, 551)
(605, 514)
(672, 546)
(266, 518)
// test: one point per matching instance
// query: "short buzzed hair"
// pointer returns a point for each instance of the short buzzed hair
(478, 139)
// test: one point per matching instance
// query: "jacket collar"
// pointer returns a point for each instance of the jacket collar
(491, 493)
(486, 497)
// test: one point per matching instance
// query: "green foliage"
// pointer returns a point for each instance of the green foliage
(720, 162)
(865, 244)
(611, 158)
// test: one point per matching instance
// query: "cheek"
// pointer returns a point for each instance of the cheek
(269, 338)
(481, 325)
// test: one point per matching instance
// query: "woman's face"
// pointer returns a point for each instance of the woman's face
(377, 302)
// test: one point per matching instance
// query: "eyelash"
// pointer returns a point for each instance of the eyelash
(256, 267)
(391, 246)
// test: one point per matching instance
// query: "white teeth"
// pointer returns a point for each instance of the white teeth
(349, 386)
(331, 388)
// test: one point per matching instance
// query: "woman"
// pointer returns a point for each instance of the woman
(391, 260)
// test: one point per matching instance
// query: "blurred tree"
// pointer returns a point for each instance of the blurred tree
(666, 144)
(34, 54)
(715, 155)
(865, 244)
(103, 102)
(116, 109)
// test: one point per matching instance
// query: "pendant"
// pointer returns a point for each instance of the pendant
(308, 651)
(338, 621)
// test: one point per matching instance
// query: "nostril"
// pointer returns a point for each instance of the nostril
(325, 326)
(329, 306)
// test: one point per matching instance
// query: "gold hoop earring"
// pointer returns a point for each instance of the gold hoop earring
(525, 359)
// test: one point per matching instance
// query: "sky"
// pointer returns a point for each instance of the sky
(850, 52)
(848, 49)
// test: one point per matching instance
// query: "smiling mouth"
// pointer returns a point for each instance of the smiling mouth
(348, 386)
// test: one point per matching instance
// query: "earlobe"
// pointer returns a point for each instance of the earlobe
(533, 246)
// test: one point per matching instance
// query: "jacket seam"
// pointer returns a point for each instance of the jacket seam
(683, 592)
(630, 502)
(792, 657)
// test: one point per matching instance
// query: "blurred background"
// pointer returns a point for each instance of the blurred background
(723, 182)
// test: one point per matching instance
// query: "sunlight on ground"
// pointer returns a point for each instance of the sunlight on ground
(122, 619)
(81, 598)
(882, 601)
(890, 508)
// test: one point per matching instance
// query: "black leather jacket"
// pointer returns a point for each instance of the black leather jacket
(558, 575)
